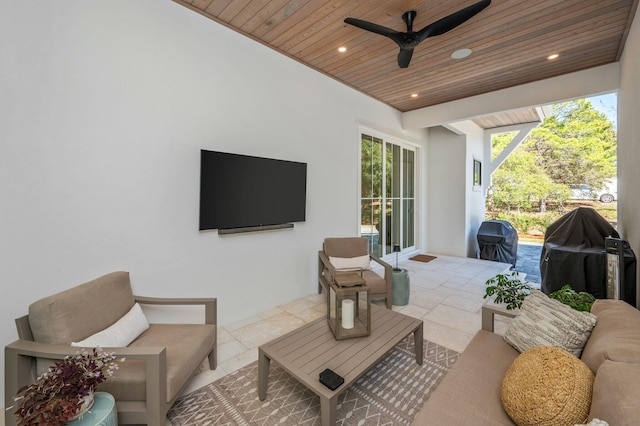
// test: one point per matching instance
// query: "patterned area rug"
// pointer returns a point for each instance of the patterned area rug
(391, 393)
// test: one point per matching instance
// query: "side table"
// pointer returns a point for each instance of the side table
(400, 292)
(102, 413)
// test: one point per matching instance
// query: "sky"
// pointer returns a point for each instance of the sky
(606, 104)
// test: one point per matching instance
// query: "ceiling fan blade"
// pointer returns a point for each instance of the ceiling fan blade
(448, 23)
(394, 35)
(404, 57)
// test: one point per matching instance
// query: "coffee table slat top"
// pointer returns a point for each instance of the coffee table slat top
(387, 340)
(345, 355)
(296, 346)
(307, 351)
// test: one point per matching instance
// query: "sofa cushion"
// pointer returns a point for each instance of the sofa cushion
(615, 336)
(615, 393)
(547, 386)
(187, 345)
(470, 392)
(74, 314)
(547, 322)
(121, 333)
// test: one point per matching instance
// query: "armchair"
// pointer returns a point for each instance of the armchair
(352, 250)
(159, 362)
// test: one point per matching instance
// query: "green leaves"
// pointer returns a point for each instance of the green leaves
(509, 289)
(580, 301)
(576, 145)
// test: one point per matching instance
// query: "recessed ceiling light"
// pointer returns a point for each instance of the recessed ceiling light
(553, 56)
(414, 95)
(342, 49)
(461, 53)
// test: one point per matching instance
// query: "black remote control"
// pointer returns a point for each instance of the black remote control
(331, 379)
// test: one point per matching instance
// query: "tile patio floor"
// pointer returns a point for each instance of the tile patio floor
(446, 293)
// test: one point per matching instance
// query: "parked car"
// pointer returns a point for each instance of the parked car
(607, 194)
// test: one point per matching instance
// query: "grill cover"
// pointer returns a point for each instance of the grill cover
(498, 241)
(574, 253)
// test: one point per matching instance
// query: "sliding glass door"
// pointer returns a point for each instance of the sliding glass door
(387, 198)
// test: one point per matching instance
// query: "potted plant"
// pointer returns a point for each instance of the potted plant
(65, 391)
(580, 301)
(509, 289)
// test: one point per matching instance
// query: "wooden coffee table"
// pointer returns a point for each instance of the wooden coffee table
(308, 350)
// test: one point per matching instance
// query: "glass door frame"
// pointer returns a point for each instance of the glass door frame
(385, 250)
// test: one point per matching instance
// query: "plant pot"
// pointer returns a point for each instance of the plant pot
(87, 403)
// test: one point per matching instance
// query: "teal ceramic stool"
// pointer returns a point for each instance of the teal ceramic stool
(400, 292)
(102, 413)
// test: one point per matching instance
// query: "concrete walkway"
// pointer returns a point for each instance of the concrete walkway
(528, 261)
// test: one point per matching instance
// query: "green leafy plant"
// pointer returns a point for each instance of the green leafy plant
(60, 392)
(580, 301)
(509, 289)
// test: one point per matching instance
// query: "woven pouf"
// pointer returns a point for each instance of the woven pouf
(547, 386)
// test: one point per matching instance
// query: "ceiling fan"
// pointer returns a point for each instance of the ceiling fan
(410, 39)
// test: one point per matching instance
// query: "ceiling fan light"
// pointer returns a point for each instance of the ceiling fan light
(461, 53)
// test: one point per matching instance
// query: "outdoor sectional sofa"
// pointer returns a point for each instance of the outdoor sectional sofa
(470, 394)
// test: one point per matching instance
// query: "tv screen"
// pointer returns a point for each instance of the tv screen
(241, 191)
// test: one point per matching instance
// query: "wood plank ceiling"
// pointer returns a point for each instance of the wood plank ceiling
(510, 41)
(527, 115)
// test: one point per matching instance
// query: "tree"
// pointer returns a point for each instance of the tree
(576, 145)
(521, 183)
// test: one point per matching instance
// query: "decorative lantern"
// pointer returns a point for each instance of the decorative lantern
(349, 306)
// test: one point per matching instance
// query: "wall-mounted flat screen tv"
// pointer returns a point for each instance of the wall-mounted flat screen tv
(241, 191)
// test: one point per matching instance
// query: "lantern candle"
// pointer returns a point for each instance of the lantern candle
(347, 314)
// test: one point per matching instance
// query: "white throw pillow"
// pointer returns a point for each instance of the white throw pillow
(595, 422)
(547, 322)
(358, 262)
(120, 334)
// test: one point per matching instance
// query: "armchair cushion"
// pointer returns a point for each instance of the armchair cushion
(186, 346)
(358, 262)
(120, 334)
(346, 247)
(73, 314)
(376, 283)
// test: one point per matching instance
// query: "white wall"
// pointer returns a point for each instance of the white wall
(474, 203)
(446, 208)
(104, 106)
(455, 208)
(629, 143)
(475, 195)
